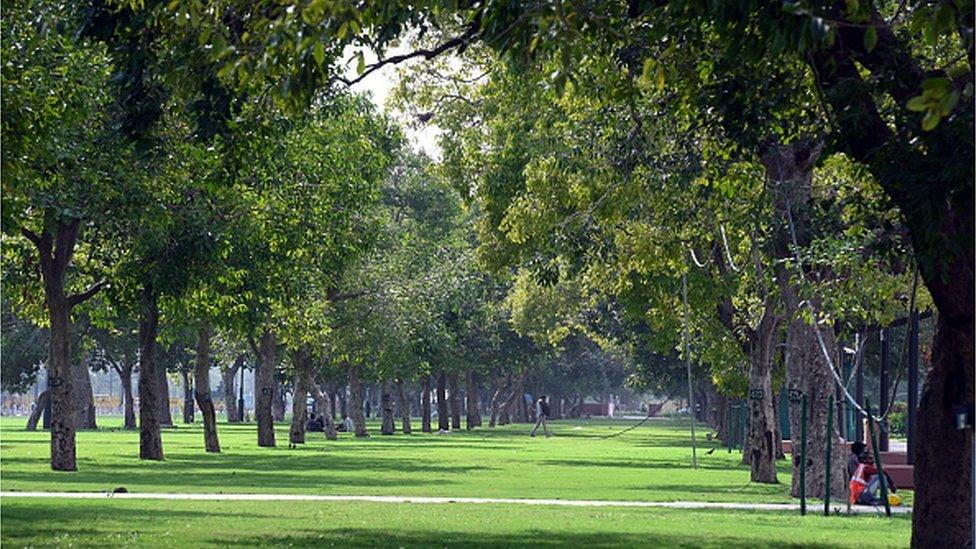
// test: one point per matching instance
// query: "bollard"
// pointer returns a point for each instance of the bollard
(803, 457)
(828, 460)
(877, 458)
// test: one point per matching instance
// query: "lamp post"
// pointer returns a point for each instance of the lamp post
(240, 398)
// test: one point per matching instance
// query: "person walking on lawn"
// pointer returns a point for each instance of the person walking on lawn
(542, 413)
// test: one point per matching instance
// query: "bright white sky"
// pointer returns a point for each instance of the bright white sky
(379, 84)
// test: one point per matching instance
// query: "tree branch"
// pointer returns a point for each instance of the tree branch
(460, 41)
(334, 295)
(79, 298)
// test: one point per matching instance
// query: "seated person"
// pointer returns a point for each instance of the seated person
(854, 459)
(314, 424)
(865, 484)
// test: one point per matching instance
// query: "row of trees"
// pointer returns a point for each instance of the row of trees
(792, 165)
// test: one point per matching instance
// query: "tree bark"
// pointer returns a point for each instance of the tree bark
(84, 397)
(162, 388)
(403, 407)
(356, 402)
(387, 407)
(762, 453)
(188, 411)
(443, 419)
(125, 376)
(497, 399)
(302, 366)
(264, 388)
(473, 418)
(39, 403)
(454, 399)
(278, 404)
(322, 403)
(230, 389)
(425, 405)
(150, 438)
(201, 386)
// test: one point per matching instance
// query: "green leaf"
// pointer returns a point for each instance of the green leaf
(319, 54)
(870, 38)
(360, 63)
(930, 121)
(916, 104)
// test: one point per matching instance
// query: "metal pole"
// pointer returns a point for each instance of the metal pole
(859, 391)
(240, 398)
(885, 336)
(803, 456)
(691, 392)
(46, 420)
(912, 384)
(877, 459)
(828, 460)
(730, 427)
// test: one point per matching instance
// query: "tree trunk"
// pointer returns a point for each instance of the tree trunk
(84, 397)
(150, 438)
(403, 407)
(230, 389)
(188, 411)
(162, 393)
(264, 388)
(356, 402)
(321, 403)
(454, 399)
(278, 404)
(302, 365)
(473, 418)
(762, 453)
(201, 385)
(125, 375)
(425, 405)
(386, 405)
(443, 419)
(496, 401)
(39, 403)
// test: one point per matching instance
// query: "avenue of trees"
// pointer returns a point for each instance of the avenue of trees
(188, 183)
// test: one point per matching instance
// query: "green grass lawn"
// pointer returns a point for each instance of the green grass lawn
(651, 463)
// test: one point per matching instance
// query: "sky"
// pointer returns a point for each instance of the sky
(379, 84)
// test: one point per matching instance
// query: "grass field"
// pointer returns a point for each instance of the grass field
(650, 463)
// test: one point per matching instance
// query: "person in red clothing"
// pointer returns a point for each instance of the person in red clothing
(865, 474)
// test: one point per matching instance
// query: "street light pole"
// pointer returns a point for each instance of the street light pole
(240, 398)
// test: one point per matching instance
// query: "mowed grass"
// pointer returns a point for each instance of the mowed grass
(650, 463)
(114, 523)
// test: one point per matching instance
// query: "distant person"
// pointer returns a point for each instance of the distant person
(542, 413)
(314, 424)
(348, 425)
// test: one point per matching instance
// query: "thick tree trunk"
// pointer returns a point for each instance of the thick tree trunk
(425, 405)
(473, 418)
(454, 399)
(264, 388)
(302, 366)
(84, 397)
(230, 389)
(356, 402)
(125, 376)
(443, 419)
(188, 411)
(39, 403)
(162, 395)
(150, 438)
(387, 407)
(403, 407)
(762, 453)
(201, 385)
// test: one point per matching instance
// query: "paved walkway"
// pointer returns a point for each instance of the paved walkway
(813, 507)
